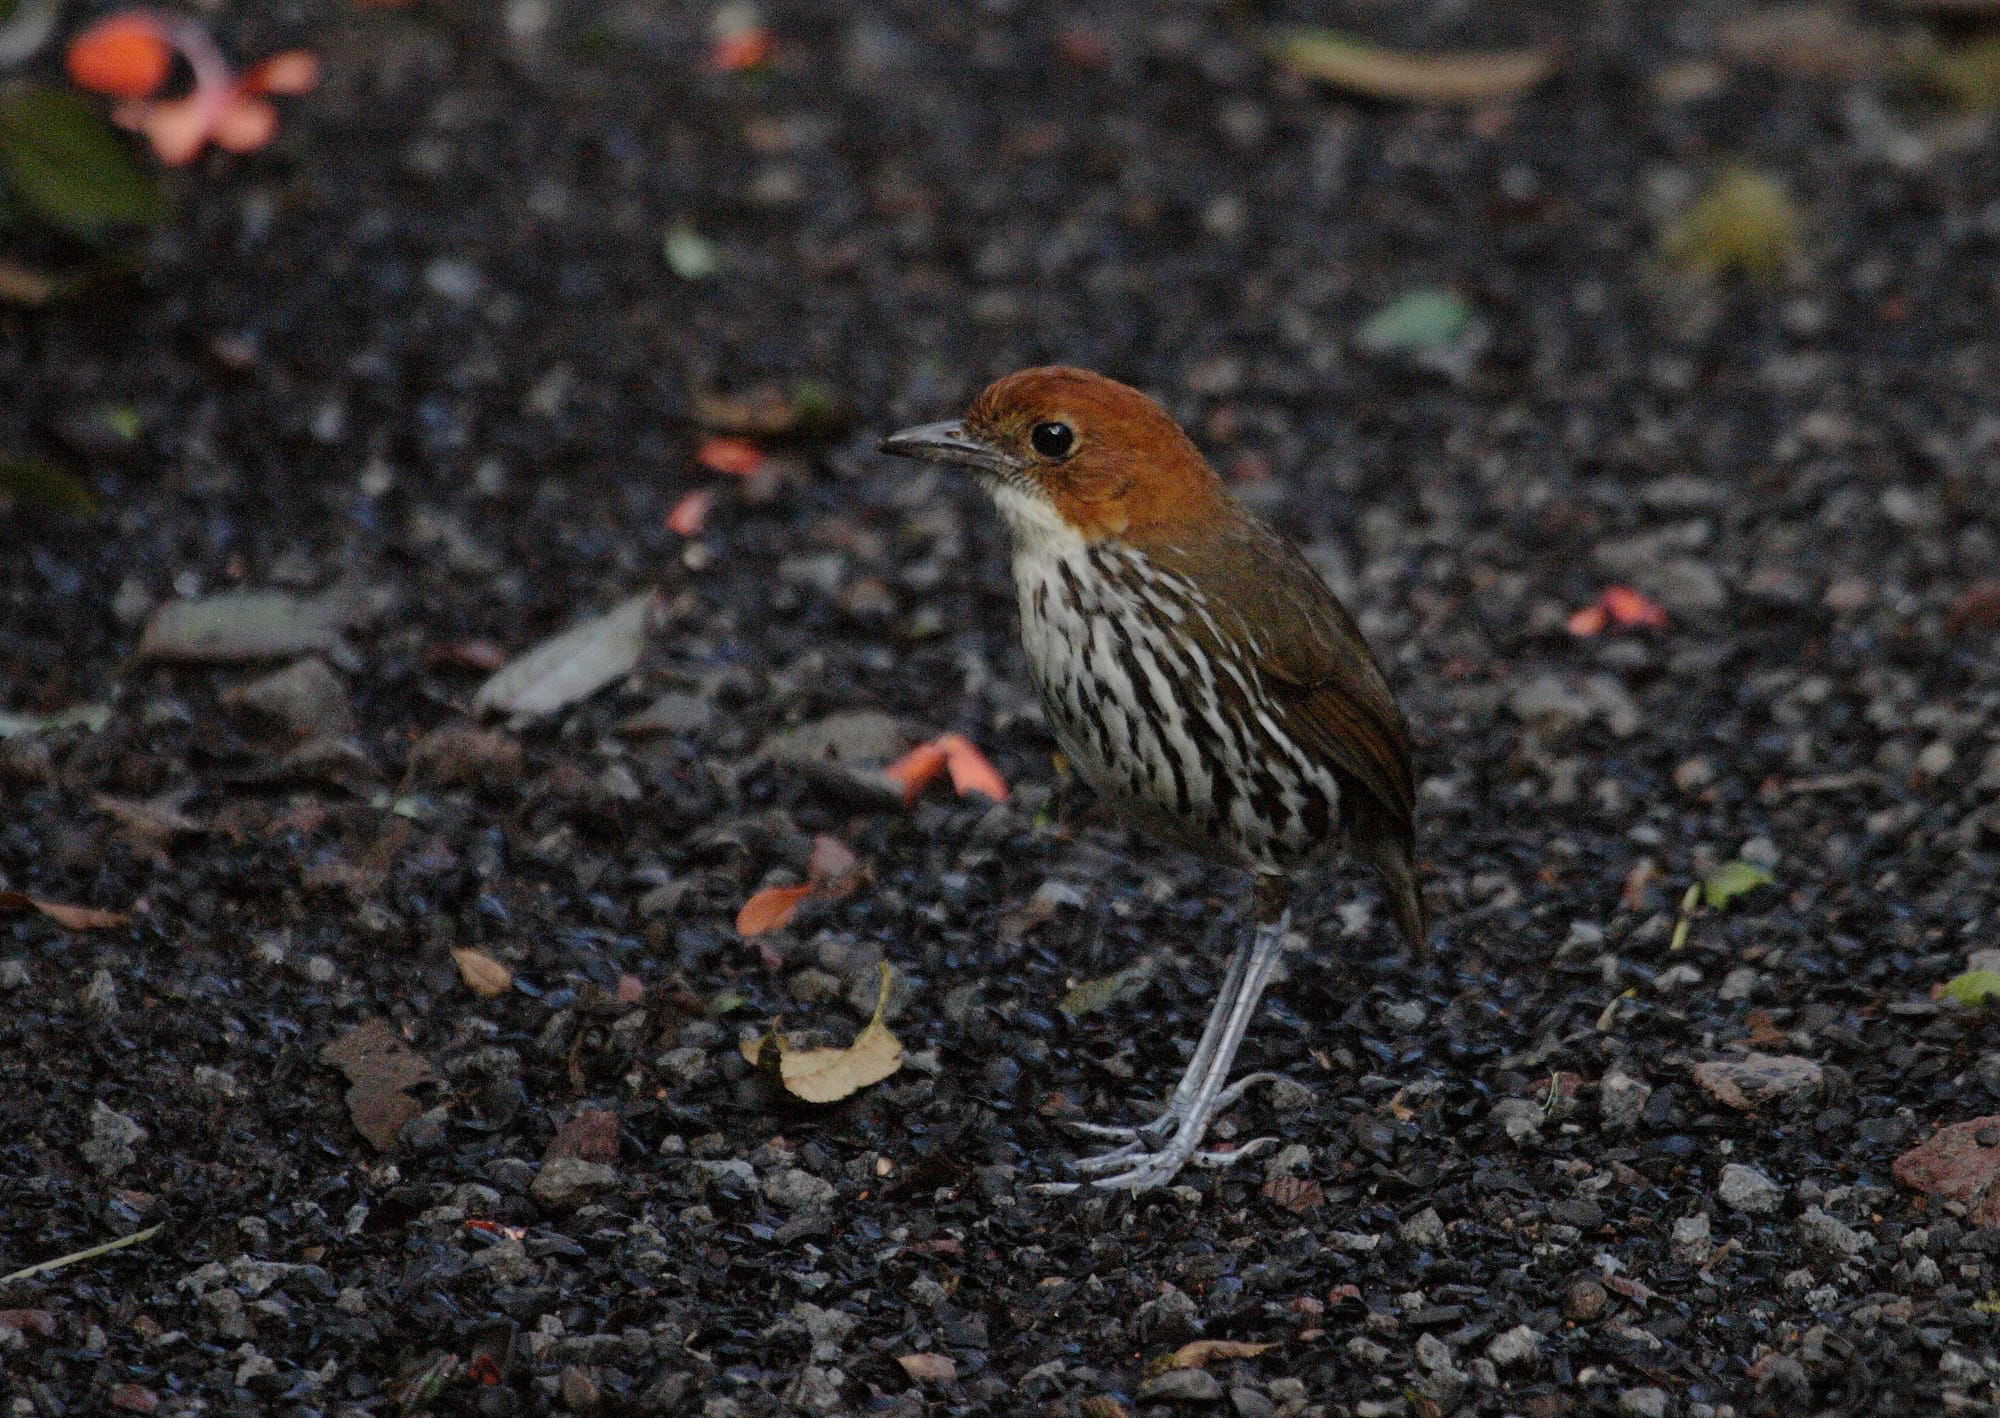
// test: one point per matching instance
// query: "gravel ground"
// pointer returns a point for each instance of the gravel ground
(425, 358)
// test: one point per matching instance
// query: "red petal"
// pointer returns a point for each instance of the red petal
(743, 50)
(244, 125)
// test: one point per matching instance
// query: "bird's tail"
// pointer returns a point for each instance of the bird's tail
(1392, 863)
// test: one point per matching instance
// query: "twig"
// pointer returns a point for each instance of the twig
(91, 1254)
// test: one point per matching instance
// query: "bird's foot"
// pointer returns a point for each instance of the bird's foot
(1151, 1155)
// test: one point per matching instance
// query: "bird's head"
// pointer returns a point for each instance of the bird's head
(1065, 452)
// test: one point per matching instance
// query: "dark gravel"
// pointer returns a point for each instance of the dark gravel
(427, 346)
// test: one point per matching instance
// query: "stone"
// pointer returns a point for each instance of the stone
(111, 1148)
(1691, 1245)
(1584, 1300)
(1181, 1386)
(568, 1182)
(1958, 1163)
(1518, 1345)
(1519, 1118)
(1621, 1100)
(1643, 1402)
(1744, 1188)
(1748, 1082)
(1827, 1235)
(1424, 1231)
(790, 1189)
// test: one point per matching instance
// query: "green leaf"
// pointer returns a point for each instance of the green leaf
(1731, 881)
(66, 164)
(43, 484)
(690, 255)
(1411, 324)
(1972, 987)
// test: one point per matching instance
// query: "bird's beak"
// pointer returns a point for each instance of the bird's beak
(947, 442)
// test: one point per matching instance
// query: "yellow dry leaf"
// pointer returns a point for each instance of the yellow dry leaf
(1744, 220)
(1203, 1352)
(1369, 69)
(828, 1075)
(483, 975)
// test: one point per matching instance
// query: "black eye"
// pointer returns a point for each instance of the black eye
(1052, 440)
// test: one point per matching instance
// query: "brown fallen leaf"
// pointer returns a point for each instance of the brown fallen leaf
(460, 753)
(150, 826)
(483, 975)
(1812, 41)
(381, 1067)
(929, 1368)
(1203, 1352)
(828, 1075)
(24, 285)
(72, 918)
(248, 625)
(1375, 72)
(1297, 1194)
(771, 909)
(575, 664)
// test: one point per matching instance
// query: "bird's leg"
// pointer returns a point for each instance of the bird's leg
(1205, 1092)
(1154, 1133)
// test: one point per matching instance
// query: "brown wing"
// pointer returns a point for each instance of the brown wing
(1335, 700)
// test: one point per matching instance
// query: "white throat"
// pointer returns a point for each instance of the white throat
(1037, 528)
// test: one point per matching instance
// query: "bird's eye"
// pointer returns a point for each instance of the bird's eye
(1052, 440)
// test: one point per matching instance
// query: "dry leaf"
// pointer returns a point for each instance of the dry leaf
(915, 769)
(483, 975)
(1743, 221)
(1418, 78)
(1813, 41)
(1093, 995)
(248, 625)
(690, 514)
(738, 457)
(771, 909)
(1295, 1194)
(71, 918)
(828, 1075)
(929, 1368)
(970, 770)
(380, 1067)
(150, 826)
(574, 665)
(1203, 1351)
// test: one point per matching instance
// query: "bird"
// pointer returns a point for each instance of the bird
(1199, 675)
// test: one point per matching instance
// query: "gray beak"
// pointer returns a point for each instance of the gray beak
(946, 442)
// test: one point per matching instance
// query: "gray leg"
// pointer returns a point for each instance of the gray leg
(1201, 1093)
(1184, 1091)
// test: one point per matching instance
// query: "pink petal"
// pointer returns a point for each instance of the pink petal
(295, 71)
(245, 124)
(178, 128)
